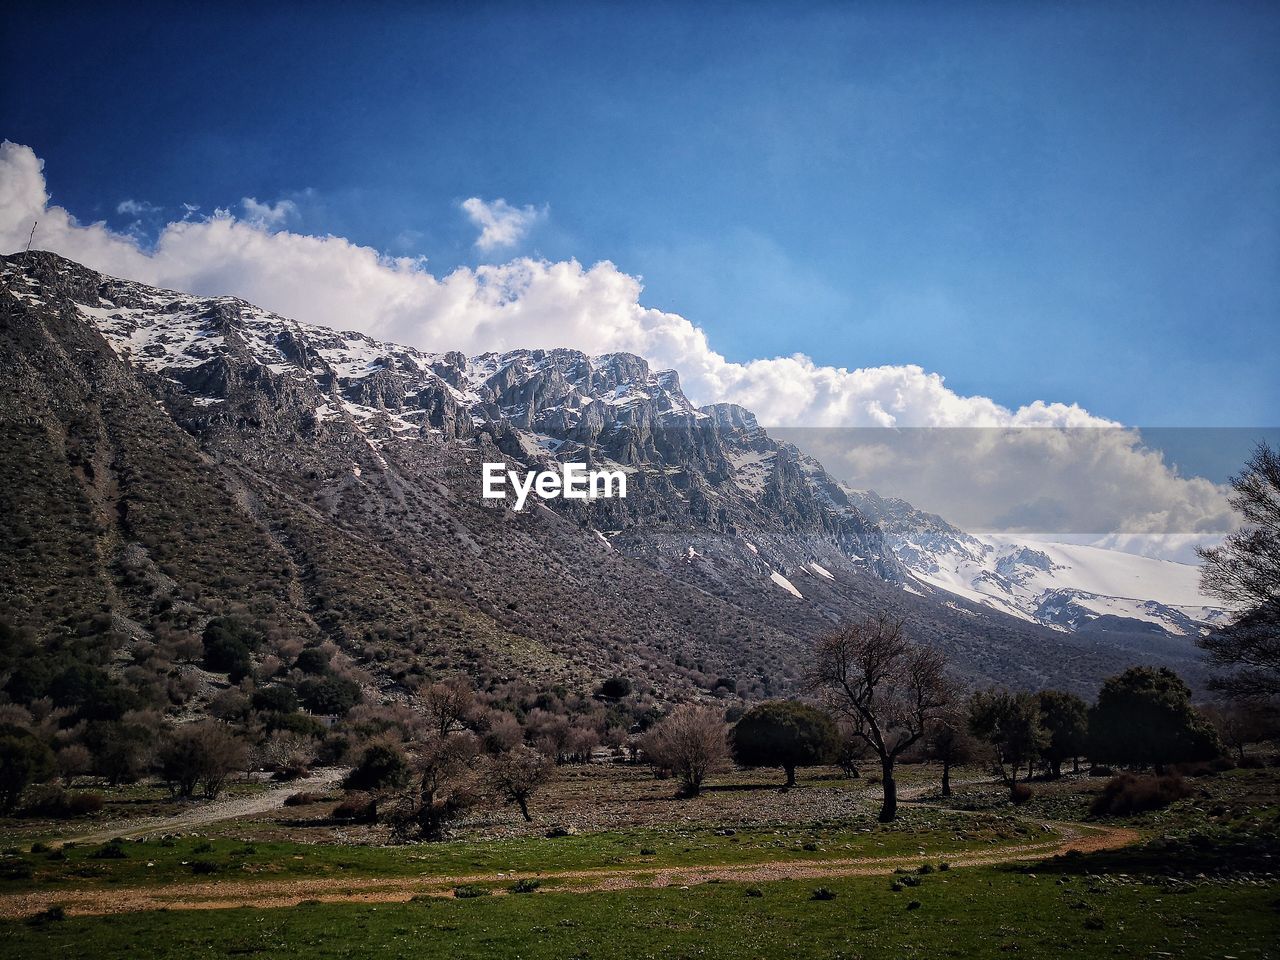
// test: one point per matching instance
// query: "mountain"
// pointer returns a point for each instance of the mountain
(1064, 586)
(174, 458)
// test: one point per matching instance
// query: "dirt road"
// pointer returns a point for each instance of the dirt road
(258, 893)
(200, 814)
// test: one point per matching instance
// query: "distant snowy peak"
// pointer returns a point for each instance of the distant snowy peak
(1067, 587)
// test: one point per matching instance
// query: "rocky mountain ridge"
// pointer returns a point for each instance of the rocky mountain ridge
(348, 468)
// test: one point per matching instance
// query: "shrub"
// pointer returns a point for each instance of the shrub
(357, 809)
(52, 915)
(925, 868)
(296, 723)
(312, 660)
(913, 905)
(110, 851)
(23, 760)
(329, 694)
(690, 743)
(228, 647)
(381, 765)
(823, 893)
(469, 890)
(754, 892)
(1128, 794)
(615, 688)
(15, 871)
(200, 754)
(525, 885)
(59, 804)
(275, 699)
(205, 867)
(303, 799)
(786, 734)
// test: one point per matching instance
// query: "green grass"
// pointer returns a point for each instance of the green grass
(970, 913)
(928, 833)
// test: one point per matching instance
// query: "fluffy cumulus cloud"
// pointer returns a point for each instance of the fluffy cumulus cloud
(500, 224)
(1072, 472)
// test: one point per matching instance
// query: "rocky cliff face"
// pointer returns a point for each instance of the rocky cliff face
(349, 470)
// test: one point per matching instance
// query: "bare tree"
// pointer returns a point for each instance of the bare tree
(201, 754)
(691, 743)
(289, 755)
(1245, 572)
(518, 773)
(1239, 724)
(442, 784)
(447, 703)
(887, 688)
(73, 760)
(853, 750)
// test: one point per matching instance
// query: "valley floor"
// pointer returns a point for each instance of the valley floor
(966, 877)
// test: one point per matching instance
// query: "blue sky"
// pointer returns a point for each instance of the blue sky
(1038, 201)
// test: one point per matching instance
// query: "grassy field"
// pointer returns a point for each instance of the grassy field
(1201, 881)
(989, 912)
(923, 833)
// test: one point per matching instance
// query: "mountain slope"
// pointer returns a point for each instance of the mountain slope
(177, 456)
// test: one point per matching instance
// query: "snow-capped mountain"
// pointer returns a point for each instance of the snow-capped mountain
(1064, 586)
(712, 467)
(348, 472)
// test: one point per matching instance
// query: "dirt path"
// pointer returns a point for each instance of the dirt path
(240, 893)
(199, 815)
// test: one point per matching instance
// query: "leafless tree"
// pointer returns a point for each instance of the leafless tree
(1245, 572)
(1241, 723)
(518, 773)
(691, 743)
(887, 688)
(853, 751)
(201, 754)
(290, 755)
(446, 704)
(73, 760)
(441, 786)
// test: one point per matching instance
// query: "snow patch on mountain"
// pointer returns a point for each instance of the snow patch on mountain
(785, 584)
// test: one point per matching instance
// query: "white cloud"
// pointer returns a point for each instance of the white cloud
(535, 303)
(136, 208)
(268, 214)
(501, 225)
